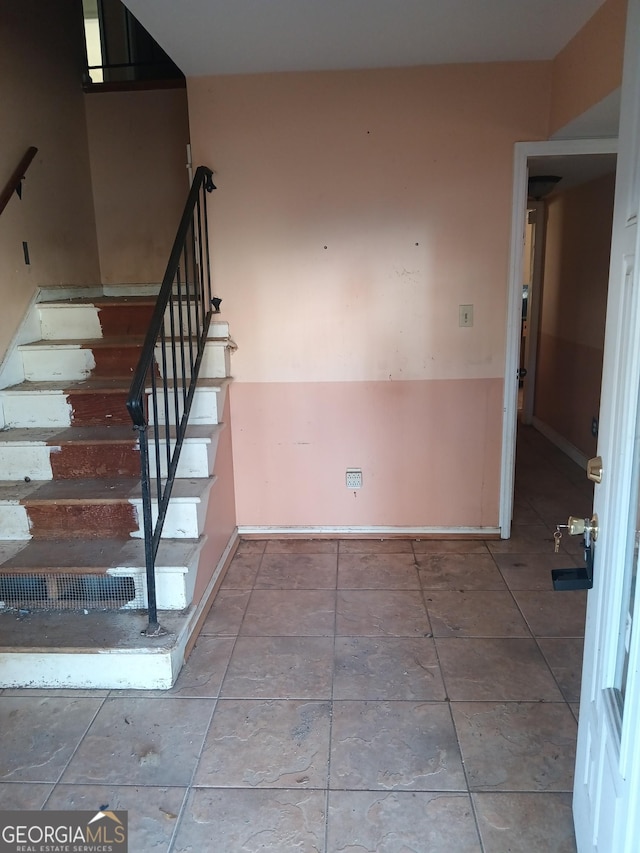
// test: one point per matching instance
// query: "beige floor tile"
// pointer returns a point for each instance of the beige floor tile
(24, 796)
(251, 546)
(302, 546)
(516, 746)
(377, 571)
(200, 677)
(39, 735)
(387, 668)
(403, 746)
(564, 657)
(495, 669)
(401, 821)
(297, 571)
(142, 742)
(230, 821)
(280, 667)
(531, 571)
(524, 823)
(152, 811)
(533, 538)
(391, 613)
(226, 613)
(553, 614)
(448, 546)
(266, 744)
(375, 546)
(290, 612)
(555, 506)
(266, 764)
(203, 672)
(459, 571)
(474, 614)
(523, 512)
(242, 572)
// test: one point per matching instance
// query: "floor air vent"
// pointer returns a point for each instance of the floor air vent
(67, 592)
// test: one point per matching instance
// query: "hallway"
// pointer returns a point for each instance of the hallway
(357, 695)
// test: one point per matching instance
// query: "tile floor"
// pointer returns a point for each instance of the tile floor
(383, 696)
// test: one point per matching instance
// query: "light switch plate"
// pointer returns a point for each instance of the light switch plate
(465, 315)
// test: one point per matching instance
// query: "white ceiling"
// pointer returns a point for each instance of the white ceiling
(251, 36)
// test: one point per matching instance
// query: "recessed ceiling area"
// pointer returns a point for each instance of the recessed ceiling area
(573, 169)
(206, 37)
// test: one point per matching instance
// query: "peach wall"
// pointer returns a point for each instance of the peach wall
(405, 176)
(138, 142)
(576, 273)
(590, 66)
(427, 450)
(355, 212)
(41, 104)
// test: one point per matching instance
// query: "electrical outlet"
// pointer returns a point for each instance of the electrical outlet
(465, 315)
(354, 478)
(594, 427)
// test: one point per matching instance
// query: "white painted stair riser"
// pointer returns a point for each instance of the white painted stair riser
(21, 460)
(206, 408)
(197, 458)
(184, 519)
(174, 585)
(216, 361)
(35, 408)
(51, 408)
(18, 461)
(66, 362)
(139, 669)
(73, 362)
(66, 321)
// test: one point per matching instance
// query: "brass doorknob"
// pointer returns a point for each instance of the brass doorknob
(579, 526)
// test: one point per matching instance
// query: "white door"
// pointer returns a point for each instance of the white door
(607, 781)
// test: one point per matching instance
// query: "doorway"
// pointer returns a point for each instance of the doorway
(564, 332)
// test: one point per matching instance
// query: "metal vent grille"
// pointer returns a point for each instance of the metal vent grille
(68, 592)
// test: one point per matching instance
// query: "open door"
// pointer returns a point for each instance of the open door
(607, 780)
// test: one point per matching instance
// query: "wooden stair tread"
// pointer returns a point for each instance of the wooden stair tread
(100, 300)
(55, 436)
(101, 384)
(98, 434)
(86, 343)
(108, 384)
(91, 556)
(103, 490)
(104, 342)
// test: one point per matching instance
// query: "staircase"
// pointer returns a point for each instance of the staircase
(72, 567)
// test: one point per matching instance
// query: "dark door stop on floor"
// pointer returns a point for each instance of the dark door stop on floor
(580, 578)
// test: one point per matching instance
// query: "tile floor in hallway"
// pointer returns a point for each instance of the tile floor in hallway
(382, 696)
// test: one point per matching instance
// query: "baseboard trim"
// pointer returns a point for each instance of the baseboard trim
(560, 442)
(352, 532)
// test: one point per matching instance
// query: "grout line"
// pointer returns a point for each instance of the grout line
(80, 741)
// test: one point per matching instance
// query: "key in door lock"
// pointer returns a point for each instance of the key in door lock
(575, 526)
(587, 527)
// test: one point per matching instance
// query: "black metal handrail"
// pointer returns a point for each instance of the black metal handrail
(164, 381)
(14, 184)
